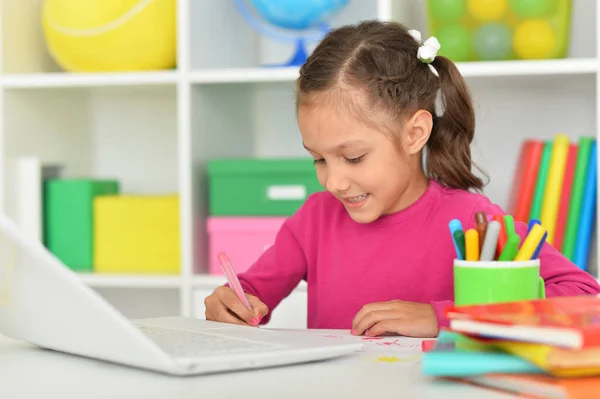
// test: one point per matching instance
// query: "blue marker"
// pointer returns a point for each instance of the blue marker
(455, 226)
(536, 253)
(531, 223)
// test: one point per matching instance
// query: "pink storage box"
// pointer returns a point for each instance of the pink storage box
(243, 239)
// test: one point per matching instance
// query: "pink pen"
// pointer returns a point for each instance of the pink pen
(234, 283)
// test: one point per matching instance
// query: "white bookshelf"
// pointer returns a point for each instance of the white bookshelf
(154, 131)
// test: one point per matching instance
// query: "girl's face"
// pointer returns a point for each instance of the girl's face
(362, 166)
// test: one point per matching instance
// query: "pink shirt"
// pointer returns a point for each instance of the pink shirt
(407, 255)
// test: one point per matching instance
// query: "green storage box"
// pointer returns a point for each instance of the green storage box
(260, 187)
(68, 219)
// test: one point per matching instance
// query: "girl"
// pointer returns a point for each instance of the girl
(375, 247)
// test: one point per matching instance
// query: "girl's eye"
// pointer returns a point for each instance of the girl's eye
(319, 161)
(355, 160)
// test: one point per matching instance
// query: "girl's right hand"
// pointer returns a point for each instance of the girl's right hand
(224, 306)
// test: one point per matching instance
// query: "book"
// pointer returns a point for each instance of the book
(565, 198)
(525, 177)
(553, 360)
(536, 386)
(569, 322)
(27, 193)
(457, 355)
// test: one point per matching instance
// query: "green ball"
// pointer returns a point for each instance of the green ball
(492, 42)
(447, 10)
(455, 42)
(533, 8)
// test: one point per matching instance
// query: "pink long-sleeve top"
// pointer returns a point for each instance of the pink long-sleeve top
(407, 255)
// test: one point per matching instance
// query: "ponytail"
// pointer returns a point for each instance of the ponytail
(448, 156)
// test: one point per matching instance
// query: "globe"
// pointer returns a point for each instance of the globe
(305, 19)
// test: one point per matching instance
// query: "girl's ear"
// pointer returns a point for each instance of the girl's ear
(417, 131)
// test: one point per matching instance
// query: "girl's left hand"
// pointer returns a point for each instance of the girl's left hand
(405, 318)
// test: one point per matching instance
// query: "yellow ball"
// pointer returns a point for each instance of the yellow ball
(534, 39)
(488, 10)
(111, 35)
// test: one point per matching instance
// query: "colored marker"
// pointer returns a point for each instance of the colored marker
(509, 225)
(459, 238)
(488, 249)
(536, 254)
(531, 223)
(472, 245)
(502, 236)
(455, 226)
(481, 224)
(531, 242)
(232, 279)
(510, 249)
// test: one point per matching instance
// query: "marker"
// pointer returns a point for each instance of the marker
(234, 283)
(536, 254)
(455, 226)
(531, 243)
(472, 245)
(509, 225)
(531, 223)
(502, 236)
(481, 224)
(459, 238)
(510, 249)
(488, 249)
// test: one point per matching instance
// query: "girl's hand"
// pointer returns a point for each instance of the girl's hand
(405, 318)
(224, 306)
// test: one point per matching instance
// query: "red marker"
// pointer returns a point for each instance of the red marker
(502, 237)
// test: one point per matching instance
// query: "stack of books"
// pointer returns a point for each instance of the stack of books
(538, 348)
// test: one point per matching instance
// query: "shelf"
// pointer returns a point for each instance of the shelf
(213, 281)
(65, 80)
(131, 281)
(244, 75)
(468, 69)
(566, 66)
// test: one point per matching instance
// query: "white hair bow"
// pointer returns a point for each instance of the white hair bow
(428, 50)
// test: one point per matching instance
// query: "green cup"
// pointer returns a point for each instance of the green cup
(483, 282)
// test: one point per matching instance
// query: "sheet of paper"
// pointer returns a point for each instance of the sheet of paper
(386, 349)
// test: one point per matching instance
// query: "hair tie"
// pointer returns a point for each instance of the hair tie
(428, 50)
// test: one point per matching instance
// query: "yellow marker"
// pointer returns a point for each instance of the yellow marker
(472, 244)
(531, 242)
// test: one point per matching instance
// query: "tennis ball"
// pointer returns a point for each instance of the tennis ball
(455, 42)
(534, 39)
(447, 10)
(111, 35)
(492, 42)
(533, 8)
(488, 10)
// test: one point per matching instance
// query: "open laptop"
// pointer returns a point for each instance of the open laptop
(44, 303)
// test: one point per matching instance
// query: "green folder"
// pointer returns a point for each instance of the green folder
(540, 185)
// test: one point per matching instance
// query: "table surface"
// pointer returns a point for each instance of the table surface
(387, 368)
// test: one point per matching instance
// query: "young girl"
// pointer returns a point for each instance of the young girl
(375, 247)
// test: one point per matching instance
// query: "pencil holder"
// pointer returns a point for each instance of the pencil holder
(483, 282)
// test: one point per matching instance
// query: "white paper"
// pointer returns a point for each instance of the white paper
(386, 349)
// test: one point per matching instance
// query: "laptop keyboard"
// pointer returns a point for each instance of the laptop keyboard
(183, 343)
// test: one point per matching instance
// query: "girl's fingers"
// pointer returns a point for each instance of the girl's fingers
(370, 308)
(259, 308)
(372, 318)
(232, 302)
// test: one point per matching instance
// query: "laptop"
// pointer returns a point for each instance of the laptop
(46, 304)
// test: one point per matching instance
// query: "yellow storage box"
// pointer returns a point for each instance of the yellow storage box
(136, 234)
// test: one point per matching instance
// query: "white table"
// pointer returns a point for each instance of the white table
(29, 372)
